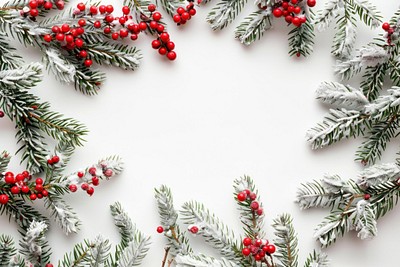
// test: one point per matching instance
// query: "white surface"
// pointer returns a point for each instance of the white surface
(220, 111)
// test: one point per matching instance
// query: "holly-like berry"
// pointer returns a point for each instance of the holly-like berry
(88, 62)
(311, 3)
(3, 199)
(247, 241)
(1, 114)
(83, 53)
(194, 229)
(33, 196)
(177, 18)
(367, 196)
(102, 9)
(47, 38)
(39, 181)
(156, 44)
(48, 5)
(246, 252)
(92, 171)
(386, 26)
(270, 249)
(156, 16)
(277, 12)
(49, 265)
(95, 181)
(80, 174)
(109, 9)
(9, 178)
(160, 229)
(97, 24)
(81, 6)
(126, 10)
(164, 37)
(72, 187)
(25, 189)
(151, 7)
(171, 55)
(90, 191)
(84, 186)
(241, 196)
(142, 26)
(254, 205)
(93, 10)
(34, 12)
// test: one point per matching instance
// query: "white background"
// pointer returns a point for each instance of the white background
(221, 110)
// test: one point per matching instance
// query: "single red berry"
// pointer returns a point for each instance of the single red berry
(156, 16)
(164, 37)
(260, 211)
(153, 24)
(9, 179)
(114, 36)
(40, 2)
(160, 229)
(33, 196)
(19, 177)
(134, 37)
(270, 249)
(84, 186)
(81, 6)
(102, 9)
(194, 229)
(296, 21)
(290, 9)
(142, 26)
(252, 196)
(90, 191)
(107, 30)
(33, 4)
(257, 257)
(192, 12)
(83, 53)
(109, 9)
(39, 187)
(254, 205)
(97, 24)
(367, 196)
(74, 32)
(156, 44)
(25, 189)
(258, 242)
(171, 55)
(39, 196)
(59, 38)
(261, 253)
(78, 42)
(247, 241)
(47, 38)
(1, 114)
(126, 10)
(288, 19)
(65, 28)
(160, 28)
(60, 5)
(45, 193)
(151, 7)
(88, 62)
(285, 5)
(123, 33)
(82, 22)
(297, 10)
(185, 16)
(311, 3)
(303, 19)
(15, 190)
(48, 5)
(80, 174)
(170, 46)
(95, 181)
(246, 252)
(49, 265)
(92, 171)
(69, 39)
(386, 26)
(247, 192)
(109, 18)
(122, 20)
(162, 51)
(94, 10)
(25, 174)
(4, 199)
(180, 10)
(39, 181)
(177, 18)
(72, 187)
(34, 12)
(241, 196)
(294, 1)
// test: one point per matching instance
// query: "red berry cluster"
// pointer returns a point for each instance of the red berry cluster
(87, 182)
(250, 197)
(390, 30)
(258, 248)
(183, 15)
(53, 160)
(291, 11)
(34, 7)
(19, 184)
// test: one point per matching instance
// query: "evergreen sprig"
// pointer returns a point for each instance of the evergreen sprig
(202, 222)
(355, 204)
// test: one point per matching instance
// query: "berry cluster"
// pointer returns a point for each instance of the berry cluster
(390, 30)
(250, 197)
(292, 11)
(34, 7)
(258, 248)
(87, 180)
(53, 160)
(21, 184)
(183, 15)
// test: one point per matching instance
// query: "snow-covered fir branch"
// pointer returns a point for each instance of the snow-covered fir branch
(368, 198)
(286, 241)
(34, 246)
(224, 13)
(254, 26)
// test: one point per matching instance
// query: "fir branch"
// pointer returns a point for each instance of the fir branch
(373, 81)
(212, 229)
(170, 6)
(124, 224)
(337, 124)
(301, 39)
(317, 260)
(7, 250)
(9, 59)
(367, 12)
(342, 96)
(325, 16)
(365, 220)
(4, 161)
(56, 63)
(224, 13)
(87, 81)
(286, 241)
(313, 194)
(99, 251)
(34, 245)
(200, 260)
(378, 174)
(135, 252)
(24, 77)
(385, 197)
(386, 106)
(254, 26)
(122, 56)
(345, 37)
(80, 257)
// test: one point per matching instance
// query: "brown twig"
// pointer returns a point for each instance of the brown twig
(165, 257)
(174, 236)
(49, 123)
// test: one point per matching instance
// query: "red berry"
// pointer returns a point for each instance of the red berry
(93, 10)
(185, 16)
(69, 39)
(90, 191)
(33, 196)
(126, 10)
(156, 16)
(88, 62)
(367, 196)
(241, 196)
(177, 18)
(160, 229)
(80, 174)
(4, 199)
(109, 9)
(95, 181)
(194, 229)
(170, 46)
(97, 24)
(114, 36)
(252, 196)
(258, 243)
(1, 114)
(290, 9)
(180, 10)
(123, 33)
(151, 7)
(294, 2)
(296, 21)
(254, 205)
(162, 50)
(164, 37)
(160, 28)
(45, 193)
(79, 42)
(107, 30)
(47, 38)
(20, 177)
(83, 53)
(261, 253)
(65, 28)
(34, 12)
(25, 189)
(102, 9)
(82, 22)
(72, 187)
(109, 18)
(39, 187)
(9, 179)
(247, 241)
(39, 181)
(277, 12)
(260, 211)
(33, 4)
(153, 24)
(92, 171)
(311, 3)
(288, 19)
(246, 252)
(49, 265)
(270, 249)
(15, 190)
(257, 257)
(122, 20)
(303, 19)
(80, 31)
(39, 196)
(386, 26)
(171, 55)
(81, 6)
(192, 12)
(142, 26)
(84, 186)
(297, 10)
(156, 44)
(25, 174)
(60, 5)
(48, 5)
(134, 37)
(285, 5)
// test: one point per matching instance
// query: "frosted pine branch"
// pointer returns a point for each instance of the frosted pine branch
(9, 59)
(325, 16)
(57, 64)
(254, 26)
(7, 250)
(99, 252)
(301, 39)
(135, 252)
(382, 107)
(34, 246)
(21, 78)
(4, 161)
(124, 224)
(317, 260)
(224, 13)
(365, 220)
(286, 241)
(367, 12)
(378, 174)
(342, 96)
(345, 38)
(63, 214)
(200, 260)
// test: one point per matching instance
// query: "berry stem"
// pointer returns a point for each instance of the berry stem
(174, 236)
(164, 261)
